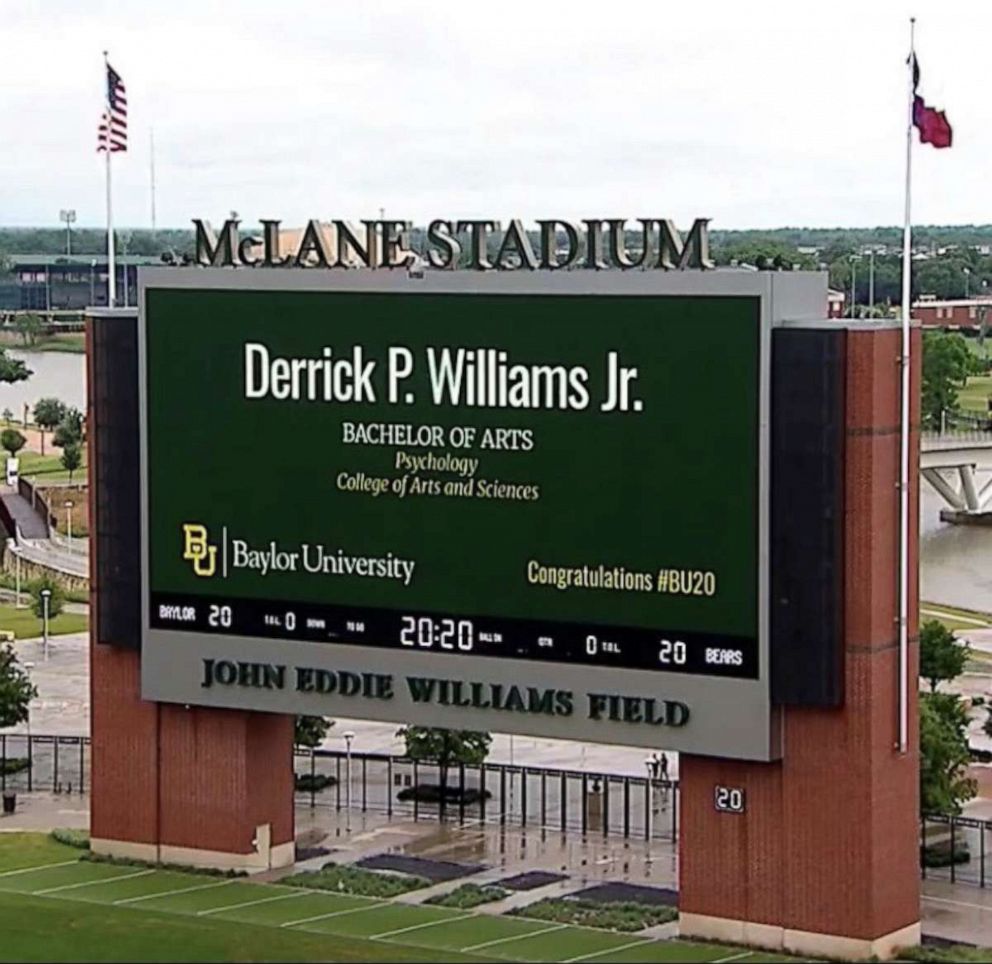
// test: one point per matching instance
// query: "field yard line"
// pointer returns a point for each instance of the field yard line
(417, 927)
(170, 893)
(515, 937)
(733, 957)
(336, 913)
(609, 950)
(88, 883)
(247, 903)
(27, 870)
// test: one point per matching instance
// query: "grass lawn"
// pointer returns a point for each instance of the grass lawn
(25, 625)
(54, 907)
(71, 341)
(48, 467)
(974, 396)
(36, 929)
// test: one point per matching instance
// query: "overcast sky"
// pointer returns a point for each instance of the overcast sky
(754, 114)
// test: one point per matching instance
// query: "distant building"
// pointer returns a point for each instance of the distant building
(47, 282)
(952, 313)
(836, 301)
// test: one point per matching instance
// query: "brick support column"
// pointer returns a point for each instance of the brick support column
(197, 786)
(825, 860)
(192, 786)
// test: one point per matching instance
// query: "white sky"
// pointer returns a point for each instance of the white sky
(754, 114)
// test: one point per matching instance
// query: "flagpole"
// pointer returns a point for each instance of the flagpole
(111, 264)
(904, 427)
(151, 137)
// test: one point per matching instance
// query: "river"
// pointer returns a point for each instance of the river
(56, 374)
(955, 561)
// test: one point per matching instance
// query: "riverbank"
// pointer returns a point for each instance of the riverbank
(73, 342)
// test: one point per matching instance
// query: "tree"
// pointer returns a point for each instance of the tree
(55, 601)
(48, 412)
(12, 440)
(72, 458)
(16, 691)
(944, 754)
(311, 730)
(947, 362)
(445, 748)
(8, 415)
(70, 429)
(942, 656)
(12, 369)
(29, 327)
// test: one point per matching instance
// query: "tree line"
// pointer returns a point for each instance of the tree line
(958, 272)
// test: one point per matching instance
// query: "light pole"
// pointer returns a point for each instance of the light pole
(967, 281)
(45, 596)
(68, 216)
(871, 282)
(92, 279)
(854, 286)
(348, 735)
(125, 241)
(68, 510)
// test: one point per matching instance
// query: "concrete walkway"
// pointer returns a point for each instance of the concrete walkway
(30, 524)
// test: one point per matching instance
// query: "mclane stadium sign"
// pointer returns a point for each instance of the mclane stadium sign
(481, 245)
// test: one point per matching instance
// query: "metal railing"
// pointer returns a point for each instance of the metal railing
(492, 793)
(959, 837)
(77, 545)
(30, 763)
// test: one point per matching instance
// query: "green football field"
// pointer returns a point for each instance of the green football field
(56, 907)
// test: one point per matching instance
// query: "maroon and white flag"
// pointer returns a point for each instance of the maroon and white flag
(933, 125)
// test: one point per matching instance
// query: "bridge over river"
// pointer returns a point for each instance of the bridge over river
(958, 466)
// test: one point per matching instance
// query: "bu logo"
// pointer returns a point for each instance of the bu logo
(197, 550)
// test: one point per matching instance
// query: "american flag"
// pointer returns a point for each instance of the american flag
(113, 123)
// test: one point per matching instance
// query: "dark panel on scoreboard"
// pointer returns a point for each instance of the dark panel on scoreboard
(113, 419)
(807, 517)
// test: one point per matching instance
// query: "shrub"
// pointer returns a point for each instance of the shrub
(354, 880)
(12, 440)
(14, 764)
(72, 838)
(179, 868)
(940, 854)
(978, 701)
(611, 915)
(469, 895)
(56, 598)
(431, 793)
(307, 783)
(954, 952)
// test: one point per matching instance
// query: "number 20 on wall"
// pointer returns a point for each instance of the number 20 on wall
(728, 799)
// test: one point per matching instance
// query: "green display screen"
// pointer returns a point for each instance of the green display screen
(559, 478)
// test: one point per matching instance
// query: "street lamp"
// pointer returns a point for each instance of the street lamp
(46, 595)
(125, 241)
(68, 216)
(871, 282)
(92, 280)
(854, 288)
(348, 735)
(967, 281)
(68, 510)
